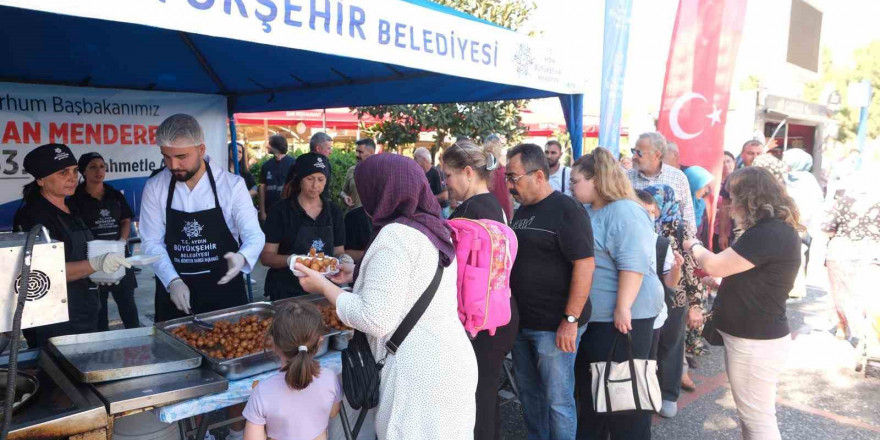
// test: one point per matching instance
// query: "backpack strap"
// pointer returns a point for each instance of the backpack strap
(411, 318)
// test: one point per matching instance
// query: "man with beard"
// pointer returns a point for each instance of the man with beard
(358, 227)
(194, 214)
(559, 174)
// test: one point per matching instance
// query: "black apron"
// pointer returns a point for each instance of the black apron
(83, 303)
(196, 243)
(282, 283)
(104, 224)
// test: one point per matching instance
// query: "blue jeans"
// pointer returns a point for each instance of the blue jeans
(545, 378)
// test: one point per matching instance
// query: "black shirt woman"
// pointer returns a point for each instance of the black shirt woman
(759, 270)
(53, 167)
(468, 170)
(304, 220)
(108, 215)
(243, 171)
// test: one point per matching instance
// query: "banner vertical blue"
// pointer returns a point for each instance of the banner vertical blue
(614, 48)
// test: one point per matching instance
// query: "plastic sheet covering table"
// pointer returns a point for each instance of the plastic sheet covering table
(238, 392)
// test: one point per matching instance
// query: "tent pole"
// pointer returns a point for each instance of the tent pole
(235, 160)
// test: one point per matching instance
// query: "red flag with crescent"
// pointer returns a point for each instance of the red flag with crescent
(696, 90)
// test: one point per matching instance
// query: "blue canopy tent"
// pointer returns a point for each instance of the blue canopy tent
(208, 47)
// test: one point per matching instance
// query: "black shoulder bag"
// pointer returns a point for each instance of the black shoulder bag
(360, 371)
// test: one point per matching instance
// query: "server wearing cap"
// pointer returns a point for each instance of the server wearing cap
(108, 215)
(273, 174)
(199, 218)
(303, 220)
(53, 167)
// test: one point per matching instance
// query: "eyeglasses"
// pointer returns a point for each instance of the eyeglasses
(637, 152)
(514, 179)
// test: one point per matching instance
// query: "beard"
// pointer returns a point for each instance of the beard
(185, 175)
(552, 163)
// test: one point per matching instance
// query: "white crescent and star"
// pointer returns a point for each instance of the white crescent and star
(675, 126)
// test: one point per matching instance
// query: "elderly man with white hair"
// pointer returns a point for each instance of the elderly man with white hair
(199, 218)
(671, 157)
(423, 157)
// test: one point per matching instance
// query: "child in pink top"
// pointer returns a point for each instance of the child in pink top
(298, 404)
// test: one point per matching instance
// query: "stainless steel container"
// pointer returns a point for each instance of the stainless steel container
(340, 341)
(122, 354)
(236, 368)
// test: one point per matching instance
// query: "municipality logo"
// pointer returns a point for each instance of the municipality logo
(193, 229)
(60, 155)
(104, 213)
(318, 244)
(523, 59)
(320, 163)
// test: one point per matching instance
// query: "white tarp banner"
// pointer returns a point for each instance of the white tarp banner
(118, 124)
(388, 31)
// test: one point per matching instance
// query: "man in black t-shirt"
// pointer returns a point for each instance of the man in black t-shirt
(423, 157)
(551, 281)
(273, 174)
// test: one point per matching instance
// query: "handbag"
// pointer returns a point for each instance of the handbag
(629, 386)
(360, 371)
(710, 330)
(710, 326)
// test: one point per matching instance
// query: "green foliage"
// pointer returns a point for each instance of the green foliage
(867, 66)
(340, 162)
(475, 119)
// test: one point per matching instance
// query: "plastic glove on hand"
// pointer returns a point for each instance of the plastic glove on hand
(179, 293)
(109, 262)
(236, 263)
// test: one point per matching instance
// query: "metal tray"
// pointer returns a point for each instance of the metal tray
(340, 340)
(122, 354)
(236, 368)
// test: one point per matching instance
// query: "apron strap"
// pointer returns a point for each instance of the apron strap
(171, 186)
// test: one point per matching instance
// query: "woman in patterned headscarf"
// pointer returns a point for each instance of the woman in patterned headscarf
(690, 291)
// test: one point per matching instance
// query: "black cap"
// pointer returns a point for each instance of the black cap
(279, 143)
(85, 159)
(48, 159)
(308, 164)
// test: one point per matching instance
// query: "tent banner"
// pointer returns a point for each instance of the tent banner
(387, 31)
(119, 124)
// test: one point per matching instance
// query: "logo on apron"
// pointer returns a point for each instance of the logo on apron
(318, 244)
(104, 213)
(192, 229)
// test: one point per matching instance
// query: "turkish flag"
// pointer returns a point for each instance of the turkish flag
(696, 90)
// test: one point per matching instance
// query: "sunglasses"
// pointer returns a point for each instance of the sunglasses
(514, 179)
(637, 152)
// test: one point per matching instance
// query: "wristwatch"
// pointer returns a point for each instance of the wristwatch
(695, 243)
(571, 319)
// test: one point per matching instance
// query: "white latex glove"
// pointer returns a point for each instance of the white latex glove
(109, 262)
(236, 262)
(179, 293)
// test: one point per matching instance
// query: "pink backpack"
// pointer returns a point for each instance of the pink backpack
(485, 250)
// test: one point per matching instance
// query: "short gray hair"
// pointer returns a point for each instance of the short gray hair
(671, 148)
(494, 137)
(423, 153)
(179, 126)
(657, 141)
(318, 138)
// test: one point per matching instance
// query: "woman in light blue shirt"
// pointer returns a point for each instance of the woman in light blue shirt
(626, 293)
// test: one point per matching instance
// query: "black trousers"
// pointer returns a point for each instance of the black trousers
(123, 296)
(595, 346)
(670, 353)
(490, 352)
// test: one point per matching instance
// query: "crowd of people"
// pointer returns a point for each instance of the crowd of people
(605, 249)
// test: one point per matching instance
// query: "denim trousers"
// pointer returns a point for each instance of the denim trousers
(545, 377)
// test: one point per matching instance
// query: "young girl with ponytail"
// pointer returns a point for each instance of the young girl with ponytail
(626, 294)
(298, 403)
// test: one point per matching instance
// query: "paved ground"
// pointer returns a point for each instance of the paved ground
(820, 394)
